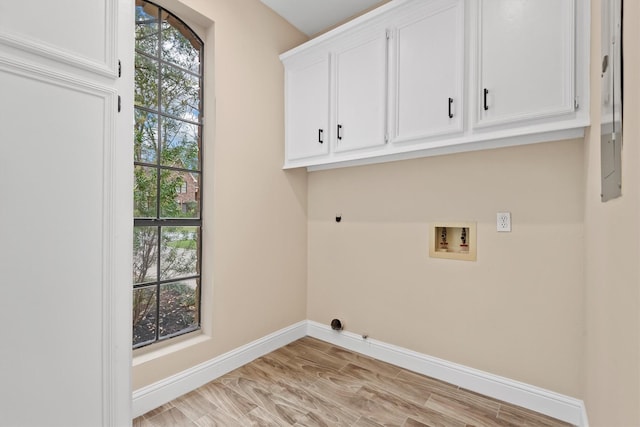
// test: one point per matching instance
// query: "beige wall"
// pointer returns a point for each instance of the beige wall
(612, 253)
(255, 270)
(516, 312)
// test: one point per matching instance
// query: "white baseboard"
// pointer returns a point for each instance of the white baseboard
(585, 418)
(157, 394)
(555, 405)
(562, 407)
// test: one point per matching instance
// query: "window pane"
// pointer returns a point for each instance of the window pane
(146, 86)
(179, 255)
(144, 315)
(146, 137)
(147, 28)
(180, 94)
(179, 45)
(144, 192)
(145, 254)
(178, 307)
(173, 203)
(180, 144)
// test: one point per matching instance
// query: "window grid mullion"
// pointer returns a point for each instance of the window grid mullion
(170, 168)
(158, 279)
(161, 62)
(160, 120)
(158, 174)
(164, 282)
(168, 115)
(169, 222)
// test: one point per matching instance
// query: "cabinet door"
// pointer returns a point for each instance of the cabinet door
(429, 71)
(361, 90)
(66, 183)
(526, 59)
(308, 109)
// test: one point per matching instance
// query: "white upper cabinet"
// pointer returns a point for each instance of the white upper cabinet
(428, 71)
(416, 78)
(361, 92)
(307, 86)
(525, 60)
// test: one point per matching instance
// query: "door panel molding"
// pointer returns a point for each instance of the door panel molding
(106, 297)
(103, 58)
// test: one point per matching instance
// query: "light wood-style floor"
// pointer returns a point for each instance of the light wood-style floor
(312, 383)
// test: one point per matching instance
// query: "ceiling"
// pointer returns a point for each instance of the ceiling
(314, 16)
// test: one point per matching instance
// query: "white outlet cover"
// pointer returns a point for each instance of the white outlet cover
(503, 221)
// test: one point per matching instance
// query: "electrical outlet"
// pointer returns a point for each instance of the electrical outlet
(503, 222)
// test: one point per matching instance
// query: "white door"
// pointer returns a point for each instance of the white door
(65, 181)
(307, 98)
(429, 71)
(526, 59)
(361, 88)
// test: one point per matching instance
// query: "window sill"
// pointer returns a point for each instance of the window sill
(161, 349)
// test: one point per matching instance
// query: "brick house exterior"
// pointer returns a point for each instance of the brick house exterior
(188, 192)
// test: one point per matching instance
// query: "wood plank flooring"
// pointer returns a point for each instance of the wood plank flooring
(313, 383)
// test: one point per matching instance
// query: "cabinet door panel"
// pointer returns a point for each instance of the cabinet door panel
(361, 94)
(79, 33)
(308, 110)
(430, 59)
(526, 59)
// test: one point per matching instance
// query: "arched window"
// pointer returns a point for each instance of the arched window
(168, 176)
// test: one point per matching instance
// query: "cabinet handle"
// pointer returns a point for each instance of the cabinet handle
(486, 92)
(450, 113)
(339, 131)
(320, 139)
